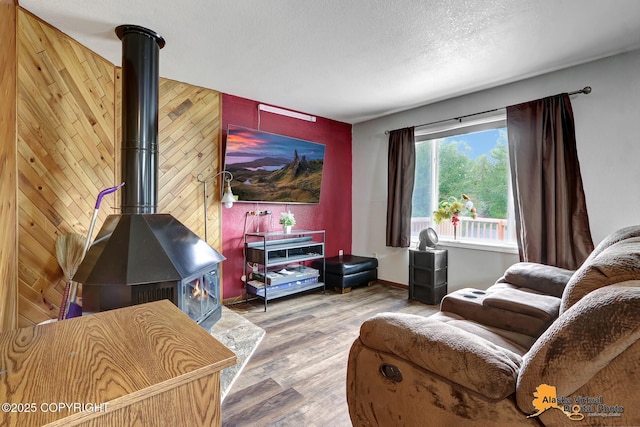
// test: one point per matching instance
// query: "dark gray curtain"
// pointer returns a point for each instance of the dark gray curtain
(552, 225)
(402, 164)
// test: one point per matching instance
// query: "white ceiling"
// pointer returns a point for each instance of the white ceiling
(353, 60)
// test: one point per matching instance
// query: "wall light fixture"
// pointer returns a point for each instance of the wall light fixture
(227, 197)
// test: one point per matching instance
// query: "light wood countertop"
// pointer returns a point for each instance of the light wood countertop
(125, 366)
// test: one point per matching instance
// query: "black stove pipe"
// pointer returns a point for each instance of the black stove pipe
(140, 81)
(140, 246)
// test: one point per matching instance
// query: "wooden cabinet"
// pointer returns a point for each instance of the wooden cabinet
(144, 365)
(428, 275)
(265, 251)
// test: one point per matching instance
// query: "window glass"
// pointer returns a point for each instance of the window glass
(464, 170)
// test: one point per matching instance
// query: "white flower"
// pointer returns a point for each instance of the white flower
(287, 218)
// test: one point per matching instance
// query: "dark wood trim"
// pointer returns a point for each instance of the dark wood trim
(393, 284)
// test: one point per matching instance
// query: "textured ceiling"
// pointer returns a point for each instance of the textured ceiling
(352, 60)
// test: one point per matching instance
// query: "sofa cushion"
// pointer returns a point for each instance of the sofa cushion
(513, 341)
(470, 304)
(617, 263)
(522, 301)
(583, 341)
(460, 356)
(615, 237)
(547, 279)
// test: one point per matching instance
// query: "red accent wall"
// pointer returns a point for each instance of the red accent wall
(332, 214)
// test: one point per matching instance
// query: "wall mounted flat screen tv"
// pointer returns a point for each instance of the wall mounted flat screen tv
(272, 168)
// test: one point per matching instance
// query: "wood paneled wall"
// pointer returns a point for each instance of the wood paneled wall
(68, 138)
(8, 183)
(66, 155)
(189, 145)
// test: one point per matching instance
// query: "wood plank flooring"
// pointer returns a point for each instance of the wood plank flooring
(297, 376)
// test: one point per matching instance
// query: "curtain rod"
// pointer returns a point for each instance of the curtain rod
(585, 90)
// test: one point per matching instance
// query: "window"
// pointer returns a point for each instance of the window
(471, 159)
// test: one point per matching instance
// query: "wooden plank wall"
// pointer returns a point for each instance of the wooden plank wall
(68, 137)
(8, 193)
(189, 133)
(65, 155)
(189, 129)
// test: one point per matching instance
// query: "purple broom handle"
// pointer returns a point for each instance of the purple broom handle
(95, 212)
(73, 309)
(107, 191)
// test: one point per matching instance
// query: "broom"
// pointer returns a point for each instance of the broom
(69, 252)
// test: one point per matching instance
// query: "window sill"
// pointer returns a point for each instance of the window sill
(480, 246)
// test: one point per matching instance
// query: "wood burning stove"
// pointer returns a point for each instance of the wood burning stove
(141, 256)
(200, 298)
(196, 296)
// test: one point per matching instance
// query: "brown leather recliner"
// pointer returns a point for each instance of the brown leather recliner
(504, 358)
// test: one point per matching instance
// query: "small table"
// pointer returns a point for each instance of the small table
(146, 365)
(428, 275)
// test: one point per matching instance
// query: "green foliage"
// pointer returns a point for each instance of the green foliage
(483, 179)
(455, 168)
(447, 209)
(287, 219)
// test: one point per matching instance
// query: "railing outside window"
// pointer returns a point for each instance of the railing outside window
(485, 229)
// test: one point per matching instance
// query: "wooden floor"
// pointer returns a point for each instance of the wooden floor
(297, 376)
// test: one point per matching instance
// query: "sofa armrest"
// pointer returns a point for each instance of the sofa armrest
(547, 279)
(581, 342)
(452, 353)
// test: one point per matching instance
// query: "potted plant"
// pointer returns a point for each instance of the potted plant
(451, 208)
(287, 220)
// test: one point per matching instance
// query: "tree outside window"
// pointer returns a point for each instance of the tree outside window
(475, 163)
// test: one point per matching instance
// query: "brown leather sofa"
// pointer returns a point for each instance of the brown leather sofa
(543, 346)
